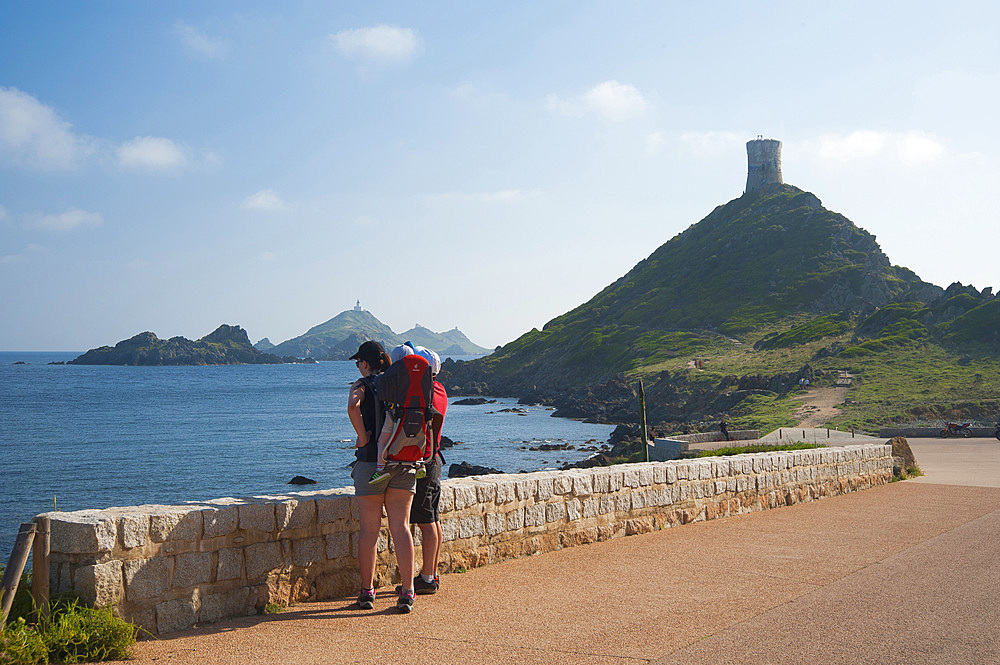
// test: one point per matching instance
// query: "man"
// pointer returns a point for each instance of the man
(424, 512)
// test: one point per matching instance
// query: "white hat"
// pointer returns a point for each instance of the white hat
(432, 358)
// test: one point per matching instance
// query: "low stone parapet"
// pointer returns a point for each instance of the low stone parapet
(171, 567)
(930, 432)
(678, 446)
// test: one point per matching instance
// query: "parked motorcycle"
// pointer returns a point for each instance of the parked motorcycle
(965, 429)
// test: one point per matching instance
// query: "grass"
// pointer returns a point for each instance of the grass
(274, 608)
(912, 471)
(71, 633)
(921, 384)
(759, 448)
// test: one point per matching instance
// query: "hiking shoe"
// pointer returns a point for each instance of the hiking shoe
(405, 602)
(366, 599)
(379, 476)
(422, 588)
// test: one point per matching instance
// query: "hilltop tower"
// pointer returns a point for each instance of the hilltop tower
(763, 164)
(357, 307)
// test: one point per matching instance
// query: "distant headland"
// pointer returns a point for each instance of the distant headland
(335, 339)
(340, 337)
(227, 345)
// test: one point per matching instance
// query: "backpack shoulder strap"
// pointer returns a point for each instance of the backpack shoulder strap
(369, 384)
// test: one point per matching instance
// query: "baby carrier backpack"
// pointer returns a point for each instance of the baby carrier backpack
(407, 388)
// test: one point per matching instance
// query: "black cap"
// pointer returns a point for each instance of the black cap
(371, 352)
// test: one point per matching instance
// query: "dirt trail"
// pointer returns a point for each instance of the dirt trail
(819, 405)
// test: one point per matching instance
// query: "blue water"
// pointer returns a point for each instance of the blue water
(100, 436)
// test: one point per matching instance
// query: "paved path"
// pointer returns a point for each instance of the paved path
(903, 573)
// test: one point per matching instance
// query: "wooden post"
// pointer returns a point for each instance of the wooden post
(40, 567)
(12, 576)
(642, 419)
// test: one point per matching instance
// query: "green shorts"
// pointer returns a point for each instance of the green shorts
(401, 477)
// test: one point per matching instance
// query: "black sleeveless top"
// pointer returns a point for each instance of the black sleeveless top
(369, 452)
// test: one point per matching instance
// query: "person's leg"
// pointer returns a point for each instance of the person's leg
(430, 543)
(397, 507)
(370, 509)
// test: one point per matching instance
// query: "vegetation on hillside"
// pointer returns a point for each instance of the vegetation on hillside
(727, 318)
(339, 338)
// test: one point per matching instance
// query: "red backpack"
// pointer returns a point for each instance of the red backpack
(407, 388)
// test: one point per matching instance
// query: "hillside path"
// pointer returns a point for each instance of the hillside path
(819, 405)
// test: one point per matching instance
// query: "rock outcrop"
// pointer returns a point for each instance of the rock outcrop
(226, 345)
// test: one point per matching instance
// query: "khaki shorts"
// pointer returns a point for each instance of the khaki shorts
(401, 477)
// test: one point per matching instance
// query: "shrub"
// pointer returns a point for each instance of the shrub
(21, 645)
(72, 633)
(76, 633)
(23, 604)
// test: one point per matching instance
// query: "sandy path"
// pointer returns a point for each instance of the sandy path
(819, 405)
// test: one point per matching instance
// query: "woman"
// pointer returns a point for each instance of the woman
(396, 494)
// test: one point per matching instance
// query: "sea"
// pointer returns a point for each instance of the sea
(75, 437)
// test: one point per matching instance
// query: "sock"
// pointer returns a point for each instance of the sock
(371, 591)
(427, 578)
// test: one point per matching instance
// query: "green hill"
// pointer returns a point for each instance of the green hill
(339, 338)
(452, 343)
(727, 316)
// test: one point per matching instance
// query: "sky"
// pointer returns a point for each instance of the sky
(174, 166)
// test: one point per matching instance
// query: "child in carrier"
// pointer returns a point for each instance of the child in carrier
(405, 388)
(397, 353)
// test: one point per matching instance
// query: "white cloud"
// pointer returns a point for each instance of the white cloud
(611, 99)
(856, 145)
(381, 43)
(499, 197)
(655, 143)
(716, 142)
(910, 148)
(20, 257)
(200, 43)
(918, 148)
(32, 134)
(367, 222)
(266, 200)
(71, 219)
(267, 257)
(151, 152)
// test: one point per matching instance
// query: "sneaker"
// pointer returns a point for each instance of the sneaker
(379, 476)
(366, 599)
(422, 588)
(405, 602)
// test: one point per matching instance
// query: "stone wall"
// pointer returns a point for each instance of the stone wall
(929, 432)
(679, 445)
(171, 567)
